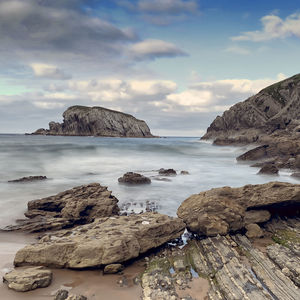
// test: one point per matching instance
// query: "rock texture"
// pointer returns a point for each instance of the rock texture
(270, 169)
(223, 210)
(97, 121)
(23, 280)
(167, 172)
(29, 179)
(78, 205)
(103, 242)
(134, 178)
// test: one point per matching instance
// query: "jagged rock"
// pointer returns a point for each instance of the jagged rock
(253, 231)
(23, 280)
(113, 268)
(167, 172)
(97, 121)
(103, 242)
(134, 178)
(223, 210)
(81, 204)
(29, 179)
(269, 169)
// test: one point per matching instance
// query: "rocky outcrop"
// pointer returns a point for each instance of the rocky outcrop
(78, 205)
(23, 280)
(134, 178)
(223, 210)
(97, 121)
(29, 179)
(103, 242)
(167, 172)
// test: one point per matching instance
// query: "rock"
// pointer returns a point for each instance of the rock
(184, 173)
(296, 175)
(29, 179)
(81, 204)
(103, 242)
(23, 280)
(61, 295)
(223, 210)
(270, 169)
(167, 172)
(113, 268)
(253, 231)
(256, 216)
(76, 297)
(97, 121)
(134, 178)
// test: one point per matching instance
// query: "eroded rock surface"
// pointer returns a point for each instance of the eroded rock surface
(78, 205)
(223, 210)
(103, 242)
(23, 280)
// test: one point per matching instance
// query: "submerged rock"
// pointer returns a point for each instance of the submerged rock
(167, 172)
(223, 210)
(23, 280)
(97, 121)
(81, 204)
(134, 178)
(29, 179)
(103, 242)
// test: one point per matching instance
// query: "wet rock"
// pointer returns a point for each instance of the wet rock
(184, 173)
(253, 231)
(167, 172)
(103, 242)
(296, 175)
(113, 268)
(29, 179)
(269, 169)
(223, 210)
(76, 297)
(81, 204)
(23, 280)
(134, 178)
(61, 295)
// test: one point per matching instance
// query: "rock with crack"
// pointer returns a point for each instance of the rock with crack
(103, 242)
(23, 280)
(79, 205)
(224, 210)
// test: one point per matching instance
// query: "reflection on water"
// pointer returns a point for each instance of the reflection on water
(72, 161)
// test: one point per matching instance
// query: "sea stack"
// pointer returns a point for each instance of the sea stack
(97, 121)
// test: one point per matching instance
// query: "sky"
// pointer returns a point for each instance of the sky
(176, 64)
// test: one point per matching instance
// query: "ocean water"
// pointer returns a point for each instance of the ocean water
(73, 161)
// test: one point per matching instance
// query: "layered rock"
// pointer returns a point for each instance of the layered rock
(23, 280)
(78, 205)
(97, 121)
(103, 242)
(223, 210)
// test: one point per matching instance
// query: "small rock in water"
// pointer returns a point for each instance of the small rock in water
(167, 172)
(134, 178)
(61, 295)
(29, 179)
(184, 173)
(269, 169)
(113, 268)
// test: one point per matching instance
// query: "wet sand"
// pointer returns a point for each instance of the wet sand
(92, 284)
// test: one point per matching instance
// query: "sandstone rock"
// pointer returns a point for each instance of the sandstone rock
(270, 169)
(167, 172)
(23, 280)
(134, 178)
(103, 242)
(29, 179)
(253, 231)
(113, 268)
(223, 210)
(97, 121)
(80, 204)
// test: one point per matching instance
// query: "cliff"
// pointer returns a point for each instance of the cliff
(274, 110)
(97, 121)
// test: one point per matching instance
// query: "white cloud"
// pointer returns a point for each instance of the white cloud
(48, 105)
(48, 71)
(237, 50)
(273, 28)
(151, 48)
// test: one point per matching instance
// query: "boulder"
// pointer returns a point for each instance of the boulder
(223, 210)
(113, 268)
(61, 295)
(103, 242)
(23, 280)
(184, 173)
(269, 169)
(253, 231)
(29, 179)
(134, 178)
(167, 172)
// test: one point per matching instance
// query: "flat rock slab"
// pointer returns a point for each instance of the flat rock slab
(103, 242)
(23, 280)
(223, 210)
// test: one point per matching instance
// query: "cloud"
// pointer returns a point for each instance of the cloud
(151, 49)
(273, 28)
(237, 50)
(49, 71)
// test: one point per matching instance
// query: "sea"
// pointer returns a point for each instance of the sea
(74, 161)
